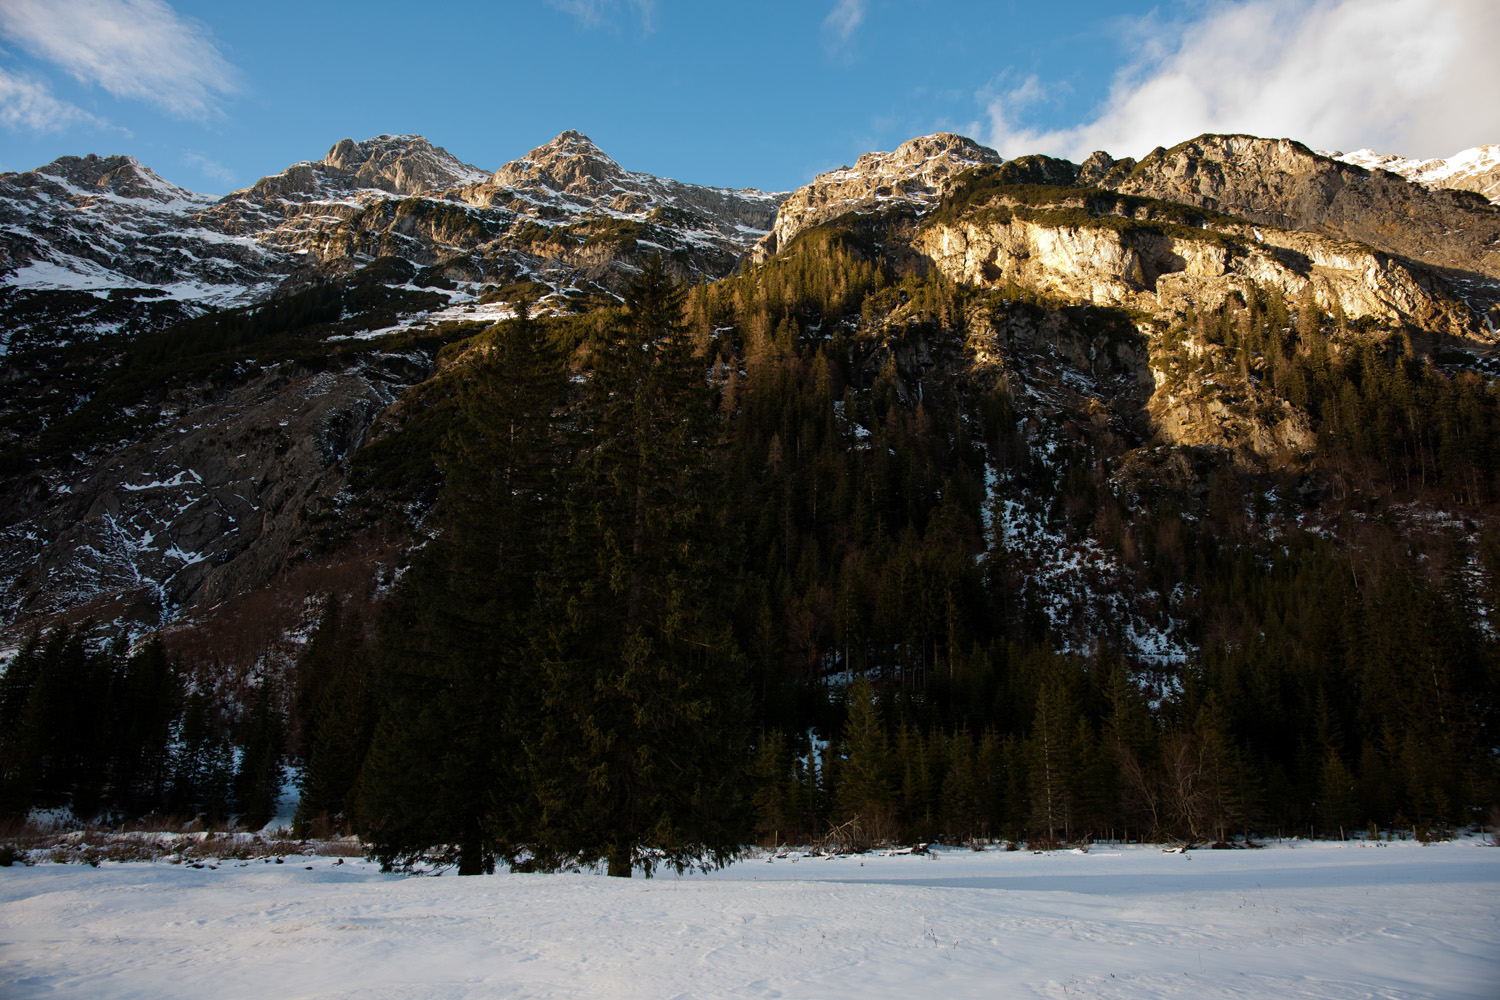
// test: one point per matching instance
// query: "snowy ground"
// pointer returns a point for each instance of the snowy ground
(1293, 921)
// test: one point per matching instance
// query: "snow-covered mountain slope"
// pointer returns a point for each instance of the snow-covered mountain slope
(199, 495)
(93, 245)
(1476, 169)
(109, 224)
(351, 176)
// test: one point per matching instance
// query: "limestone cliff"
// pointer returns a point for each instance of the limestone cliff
(1170, 272)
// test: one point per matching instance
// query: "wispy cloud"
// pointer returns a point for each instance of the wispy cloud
(26, 102)
(136, 49)
(208, 168)
(593, 13)
(845, 18)
(1417, 77)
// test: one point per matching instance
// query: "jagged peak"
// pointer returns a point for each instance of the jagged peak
(570, 163)
(120, 175)
(574, 141)
(915, 174)
(398, 164)
(945, 147)
(946, 142)
(349, 153)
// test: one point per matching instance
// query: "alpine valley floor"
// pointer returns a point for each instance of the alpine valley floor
(1296, 920)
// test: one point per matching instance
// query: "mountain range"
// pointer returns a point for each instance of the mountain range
(203, 490)
(566, 515)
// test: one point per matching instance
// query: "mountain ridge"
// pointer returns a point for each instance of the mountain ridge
(570, 224)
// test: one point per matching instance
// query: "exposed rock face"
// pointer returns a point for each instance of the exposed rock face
(1245, 421)
(1283, 183)
(207, 503)
(293, 213)
(1476, 169)
(576, 206)
(571, 172)
(396, 164)
(916, 174)
(563, 214)
(1170, 276)
(207, 506)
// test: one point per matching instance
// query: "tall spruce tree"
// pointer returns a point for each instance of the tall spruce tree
(441, 768)
(865, 789)
(639, 754)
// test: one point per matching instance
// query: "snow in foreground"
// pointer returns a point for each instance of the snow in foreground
(1296, 920)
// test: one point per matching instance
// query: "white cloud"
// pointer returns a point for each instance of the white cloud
(26, 102)
(592, 13)
(207, 167)
(1417, 77)
(138, 49)
(845, 17)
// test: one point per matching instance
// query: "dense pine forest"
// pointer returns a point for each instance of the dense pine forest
(730, 563)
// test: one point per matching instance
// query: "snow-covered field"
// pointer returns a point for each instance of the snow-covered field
(1295, 920)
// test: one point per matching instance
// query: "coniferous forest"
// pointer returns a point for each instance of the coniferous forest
(728, 563)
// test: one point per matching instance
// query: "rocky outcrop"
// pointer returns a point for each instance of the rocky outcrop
(1171, 272)
(1282, 183)
(569, 187)
(915, 174)
(395, 164)
(571, 172)
(1193, 409)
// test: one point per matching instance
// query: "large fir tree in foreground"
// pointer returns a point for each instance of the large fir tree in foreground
(454, 644)
(639, 742)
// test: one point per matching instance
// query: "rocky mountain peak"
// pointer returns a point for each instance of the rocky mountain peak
(400, 164)
(932, 154)
(397, 164)
(1206, 164)
(121, 176)
(572, 176)
(569, 164)
(916, 173)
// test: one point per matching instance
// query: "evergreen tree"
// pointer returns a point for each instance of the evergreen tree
(257, 781)
(146, 704)
(338, 725)
(442, 768)
(202, 765)
(864, 787)
(637, 754)
(1050, 749)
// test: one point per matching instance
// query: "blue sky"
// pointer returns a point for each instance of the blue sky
(213, 95)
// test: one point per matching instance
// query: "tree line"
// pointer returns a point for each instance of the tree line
(714, 566)
(125, 736)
